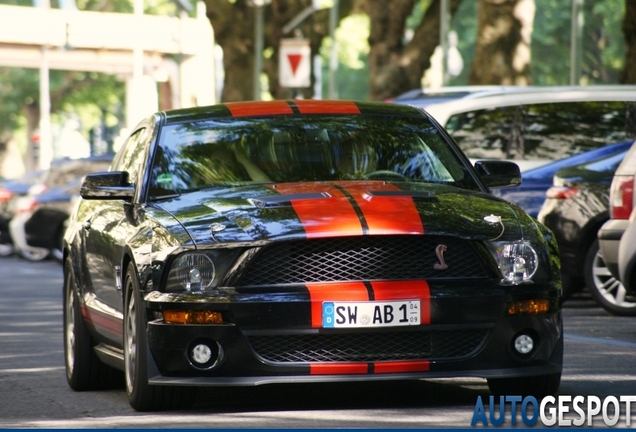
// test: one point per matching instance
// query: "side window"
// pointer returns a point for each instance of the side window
(559, 130)
(132, 155)
(488, 133)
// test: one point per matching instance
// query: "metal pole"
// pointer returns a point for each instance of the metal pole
(45, 154)
(46, 142)
(333, 57)
(258, 51)
(444, 28)
(576, 42)
(138, 53)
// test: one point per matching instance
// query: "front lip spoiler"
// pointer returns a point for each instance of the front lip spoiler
(549, 368)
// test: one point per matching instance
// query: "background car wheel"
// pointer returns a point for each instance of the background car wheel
(34, 254)
(6, 250)
(57, 252)
(608, 292)
(537, 386)
(84, 371)
(141, 395)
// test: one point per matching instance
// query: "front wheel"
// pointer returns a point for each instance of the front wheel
(537, 386)
(141, 395)
(608, 292)
(84, 371)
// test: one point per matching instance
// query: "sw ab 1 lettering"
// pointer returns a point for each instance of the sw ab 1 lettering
(381, 314)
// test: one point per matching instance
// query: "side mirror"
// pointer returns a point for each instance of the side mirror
(107, 185)
(498, 174)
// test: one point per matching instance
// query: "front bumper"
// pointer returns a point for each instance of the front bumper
(609, 238)
(479, 343)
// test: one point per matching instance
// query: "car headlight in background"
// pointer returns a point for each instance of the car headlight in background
(518, 261)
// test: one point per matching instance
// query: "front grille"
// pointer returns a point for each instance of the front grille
(362, 258)
(368, 347)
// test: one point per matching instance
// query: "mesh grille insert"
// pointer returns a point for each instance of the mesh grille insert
(362, 258)
(368, 347)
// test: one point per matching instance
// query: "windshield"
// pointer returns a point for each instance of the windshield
(225, 152)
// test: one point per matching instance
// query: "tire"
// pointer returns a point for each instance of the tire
(141, 395)
(6, 250)
(58, 251)
(84, 370)
(608, 292)
(34, 254)
(537, 386)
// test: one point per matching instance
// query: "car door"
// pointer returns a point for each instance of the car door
(109, 225)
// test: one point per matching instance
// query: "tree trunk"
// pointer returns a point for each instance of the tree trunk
(234, 23)
(628, 75)
(396, 67)
(502, 52)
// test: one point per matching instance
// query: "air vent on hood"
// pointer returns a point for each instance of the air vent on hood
(402, 193)
(285, 200)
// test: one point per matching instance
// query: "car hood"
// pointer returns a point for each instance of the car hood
(266, 212)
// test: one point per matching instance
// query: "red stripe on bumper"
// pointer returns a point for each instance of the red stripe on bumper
(338, 369)
(405, 290)
(385, 215)
(332, 216)
(243, 109)
(396, 367)
(328, 107)
(333, 291)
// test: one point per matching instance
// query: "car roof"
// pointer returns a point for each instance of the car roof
(449, 93)
(511, 96)
(289, 107)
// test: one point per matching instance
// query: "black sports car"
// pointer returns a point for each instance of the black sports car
(301, 241)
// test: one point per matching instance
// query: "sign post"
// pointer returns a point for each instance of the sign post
(295, 63)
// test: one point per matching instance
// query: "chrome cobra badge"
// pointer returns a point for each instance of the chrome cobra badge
(441, 264)
(216, 227)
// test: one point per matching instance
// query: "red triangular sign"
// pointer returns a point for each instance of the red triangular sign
(294, 61)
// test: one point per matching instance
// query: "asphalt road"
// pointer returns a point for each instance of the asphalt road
(600, 360)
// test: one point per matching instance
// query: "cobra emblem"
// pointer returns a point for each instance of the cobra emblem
(439, 251)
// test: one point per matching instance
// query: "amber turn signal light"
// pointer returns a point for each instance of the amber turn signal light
(192, 317)
(529, 307)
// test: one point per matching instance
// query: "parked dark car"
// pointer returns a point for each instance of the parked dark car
(45, 215)
(48, 219)
(531, 193)
(575, 209)
(305, 241)
(10, 191)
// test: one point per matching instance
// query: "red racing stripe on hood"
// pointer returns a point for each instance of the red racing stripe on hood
(331, 216)
(326, 107)
(244, 109)
(385, 214)
(333, 291)
(405, 290)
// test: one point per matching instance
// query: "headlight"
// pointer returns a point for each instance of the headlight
(517, 261)
(194, 272)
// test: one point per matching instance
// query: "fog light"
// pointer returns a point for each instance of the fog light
(201, 354)
(524, 344)
(204, 354)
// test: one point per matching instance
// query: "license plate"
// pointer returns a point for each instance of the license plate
(370, 314)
